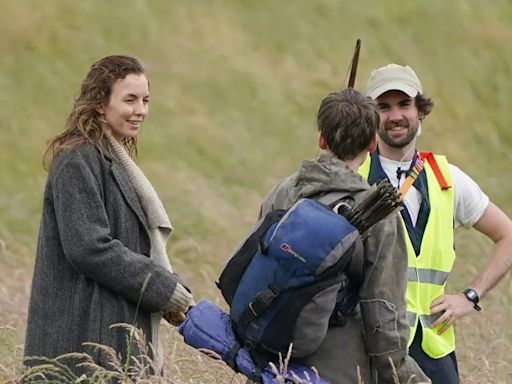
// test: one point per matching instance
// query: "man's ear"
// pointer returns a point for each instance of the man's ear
(321, 142)
(373, 144)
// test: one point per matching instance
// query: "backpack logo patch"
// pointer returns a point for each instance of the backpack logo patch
(288, 249)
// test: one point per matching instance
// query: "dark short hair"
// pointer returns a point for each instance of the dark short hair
(424, 104)
(348, 121)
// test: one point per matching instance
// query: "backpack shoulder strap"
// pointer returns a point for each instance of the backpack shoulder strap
(333, 199)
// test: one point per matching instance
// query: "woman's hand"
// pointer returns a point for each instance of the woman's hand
(174, 318)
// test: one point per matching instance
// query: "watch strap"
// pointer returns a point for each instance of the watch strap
(472, 296)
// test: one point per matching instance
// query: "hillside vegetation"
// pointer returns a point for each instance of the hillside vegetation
(235, 86)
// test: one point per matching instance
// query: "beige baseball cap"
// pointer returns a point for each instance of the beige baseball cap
(393, 77)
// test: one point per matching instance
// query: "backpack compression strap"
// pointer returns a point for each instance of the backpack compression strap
(262, 300)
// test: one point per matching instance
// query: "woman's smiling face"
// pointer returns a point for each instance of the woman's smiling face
(127, 107)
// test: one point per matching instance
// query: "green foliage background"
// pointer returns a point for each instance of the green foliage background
(234, 90)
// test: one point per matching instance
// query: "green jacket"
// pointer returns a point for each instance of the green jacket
(381, 331)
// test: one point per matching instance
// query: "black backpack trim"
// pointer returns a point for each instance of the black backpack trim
(234, 269)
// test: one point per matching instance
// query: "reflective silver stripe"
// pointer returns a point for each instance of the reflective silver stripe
(411, 318)
(430, 276)
(427, 320)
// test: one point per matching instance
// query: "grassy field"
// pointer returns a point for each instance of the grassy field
(234, 90)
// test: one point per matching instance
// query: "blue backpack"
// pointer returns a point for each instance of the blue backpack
(288, 281)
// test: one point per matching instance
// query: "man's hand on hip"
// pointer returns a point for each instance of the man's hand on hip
(451, 308)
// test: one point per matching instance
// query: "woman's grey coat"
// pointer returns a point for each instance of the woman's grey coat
(92, 259)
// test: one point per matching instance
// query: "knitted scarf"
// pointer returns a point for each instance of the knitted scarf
(159, 227)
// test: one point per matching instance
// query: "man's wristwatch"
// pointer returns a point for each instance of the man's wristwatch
(472, 296)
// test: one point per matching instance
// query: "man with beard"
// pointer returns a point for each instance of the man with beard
(442, 198)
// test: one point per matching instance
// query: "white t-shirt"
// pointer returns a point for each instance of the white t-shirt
(470, 200)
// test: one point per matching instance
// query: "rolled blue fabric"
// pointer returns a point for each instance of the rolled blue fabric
(206, 326)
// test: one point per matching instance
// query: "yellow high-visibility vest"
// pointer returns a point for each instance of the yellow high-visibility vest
(427, 273)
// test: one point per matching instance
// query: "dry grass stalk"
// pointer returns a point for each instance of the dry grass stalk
(136, 369)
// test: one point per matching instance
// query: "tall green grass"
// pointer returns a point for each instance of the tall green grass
(234, 90)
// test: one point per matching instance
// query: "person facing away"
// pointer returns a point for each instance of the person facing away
(347, 123)
(101, 254)
(442, 198)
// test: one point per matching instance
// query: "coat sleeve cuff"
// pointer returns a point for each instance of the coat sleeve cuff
(180, 300)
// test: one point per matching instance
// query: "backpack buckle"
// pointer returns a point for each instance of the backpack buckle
(258, 305)
(262, 300)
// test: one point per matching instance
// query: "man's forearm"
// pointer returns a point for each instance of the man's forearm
(498, 265)
(498, 227)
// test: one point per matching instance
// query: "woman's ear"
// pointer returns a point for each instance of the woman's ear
(321, 141)
(373, 144)
(100, 109)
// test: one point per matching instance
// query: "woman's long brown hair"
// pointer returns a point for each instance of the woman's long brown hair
(84, 123)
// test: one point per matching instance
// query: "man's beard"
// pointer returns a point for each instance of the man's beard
(401, 142)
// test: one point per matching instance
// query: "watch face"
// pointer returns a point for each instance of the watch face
(471, 295)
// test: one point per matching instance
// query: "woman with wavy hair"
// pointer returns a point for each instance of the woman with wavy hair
(101, 255)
